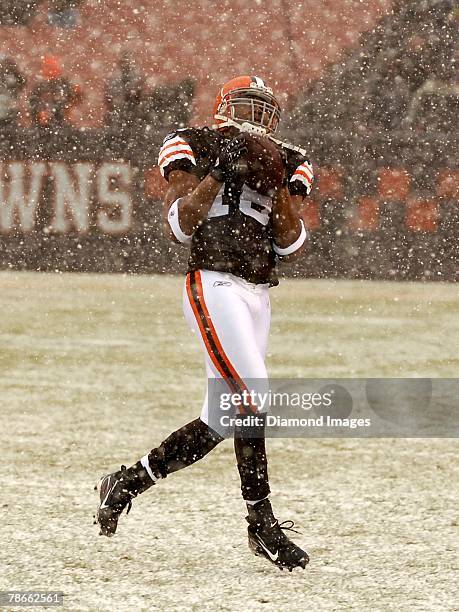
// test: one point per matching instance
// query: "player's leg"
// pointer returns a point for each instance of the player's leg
(222, 311)
(250, 446)
(232, 320)
(180, 449)
(192, 441)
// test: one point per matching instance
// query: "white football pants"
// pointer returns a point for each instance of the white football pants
(231, 318)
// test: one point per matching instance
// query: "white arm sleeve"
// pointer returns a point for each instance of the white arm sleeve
(294, 246)
(173, 219)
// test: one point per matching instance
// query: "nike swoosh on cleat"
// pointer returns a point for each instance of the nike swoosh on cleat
(272, 556)
(103, 505)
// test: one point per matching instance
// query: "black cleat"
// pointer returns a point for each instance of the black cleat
(267, 538)
(114, 497)
(116, 491)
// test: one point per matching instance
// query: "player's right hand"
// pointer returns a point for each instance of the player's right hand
(229, 155)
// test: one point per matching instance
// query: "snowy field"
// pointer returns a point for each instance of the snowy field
(96, 370)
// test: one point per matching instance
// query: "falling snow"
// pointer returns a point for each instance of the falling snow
(95, 368)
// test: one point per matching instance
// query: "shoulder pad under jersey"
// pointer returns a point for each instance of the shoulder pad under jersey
(300, 174)
(188, 149)
(287, 146)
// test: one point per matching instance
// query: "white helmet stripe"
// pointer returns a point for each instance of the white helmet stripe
(259, 81)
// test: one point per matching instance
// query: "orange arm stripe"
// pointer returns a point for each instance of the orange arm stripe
(299, 172)
(187, 152)
(307, 166)
(306, 171)
(175, 142)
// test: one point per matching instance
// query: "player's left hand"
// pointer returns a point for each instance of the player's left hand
(226, 166)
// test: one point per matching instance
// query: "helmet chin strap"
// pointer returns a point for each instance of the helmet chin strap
(253, 129)
(242, 127)
(258, 130)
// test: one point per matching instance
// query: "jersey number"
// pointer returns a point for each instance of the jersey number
(250, 203)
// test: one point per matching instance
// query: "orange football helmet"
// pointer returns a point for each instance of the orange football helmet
(247, 99)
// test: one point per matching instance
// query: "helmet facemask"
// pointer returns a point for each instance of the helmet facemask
(247, 105)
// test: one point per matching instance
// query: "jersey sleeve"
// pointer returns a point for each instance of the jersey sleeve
(176, 154)
(300, 176)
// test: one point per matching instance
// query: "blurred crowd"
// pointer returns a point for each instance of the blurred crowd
(390, 102)
(132, 108)
(402, 76)
(61, 13)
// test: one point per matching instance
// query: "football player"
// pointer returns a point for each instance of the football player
(235, 235)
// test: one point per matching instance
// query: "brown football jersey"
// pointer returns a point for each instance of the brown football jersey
(236, 236)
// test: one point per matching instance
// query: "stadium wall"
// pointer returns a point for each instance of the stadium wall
(86, 200)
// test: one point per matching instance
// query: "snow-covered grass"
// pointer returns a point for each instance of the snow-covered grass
(96, 370)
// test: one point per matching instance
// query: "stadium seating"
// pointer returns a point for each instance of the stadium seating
(400, 75)
(378, 124)
(287, 44)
